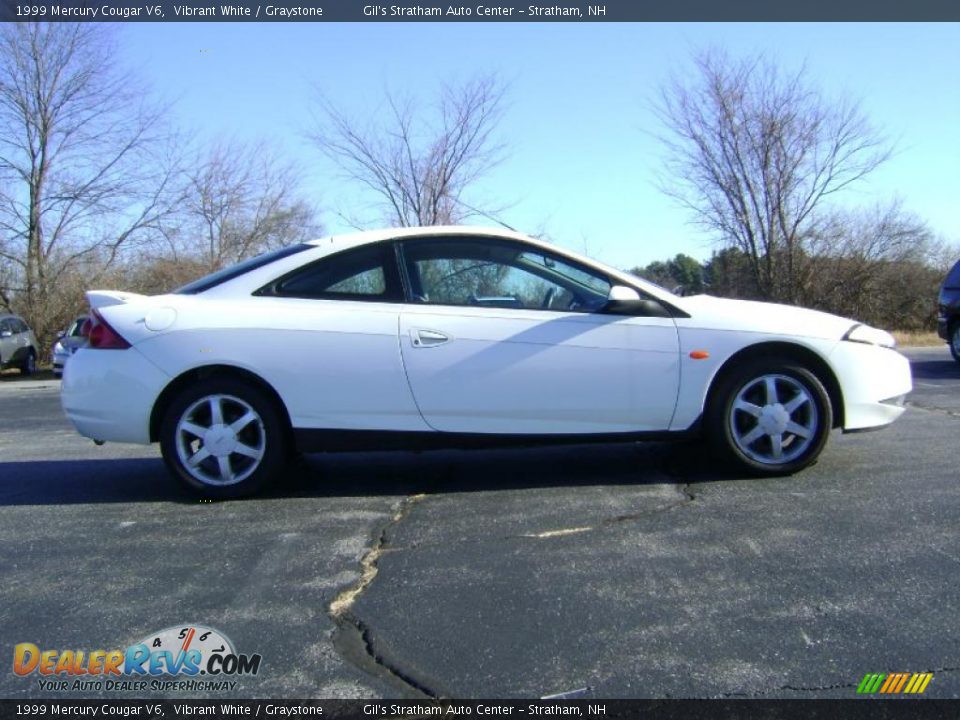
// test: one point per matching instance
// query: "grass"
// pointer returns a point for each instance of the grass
(13, 375)
(908, 338)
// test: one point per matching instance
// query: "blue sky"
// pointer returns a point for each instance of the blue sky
(583, 160)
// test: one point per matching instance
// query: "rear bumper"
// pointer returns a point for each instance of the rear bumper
(875, 382)
(109, 394)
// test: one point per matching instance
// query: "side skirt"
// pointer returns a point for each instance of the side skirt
(316, 440)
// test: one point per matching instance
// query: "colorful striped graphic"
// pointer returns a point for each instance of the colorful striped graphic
(894, 683)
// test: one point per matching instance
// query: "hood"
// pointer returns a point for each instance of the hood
(711, 312)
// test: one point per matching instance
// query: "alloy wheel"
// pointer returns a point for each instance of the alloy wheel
(220, 440)
(773, 419)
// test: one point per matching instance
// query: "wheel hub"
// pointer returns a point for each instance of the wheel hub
(774, 419)
(220, 440)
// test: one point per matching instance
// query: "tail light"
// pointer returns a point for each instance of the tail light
(101, 336)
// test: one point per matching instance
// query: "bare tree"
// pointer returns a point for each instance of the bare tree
(81, 166)
(881, 265)
(754, 152)
(239, 200)
(420, 168)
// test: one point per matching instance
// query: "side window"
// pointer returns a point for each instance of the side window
(496, 273)
(365, 273)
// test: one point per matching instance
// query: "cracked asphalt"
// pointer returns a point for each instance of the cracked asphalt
(617, 571)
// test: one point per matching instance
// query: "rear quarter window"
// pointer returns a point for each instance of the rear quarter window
(367, 272)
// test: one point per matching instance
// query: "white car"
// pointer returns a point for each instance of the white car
(462, 336)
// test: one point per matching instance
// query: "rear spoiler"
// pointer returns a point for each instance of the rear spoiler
(106, 298)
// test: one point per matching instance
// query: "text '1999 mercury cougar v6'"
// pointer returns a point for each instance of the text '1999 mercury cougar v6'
(457, 336)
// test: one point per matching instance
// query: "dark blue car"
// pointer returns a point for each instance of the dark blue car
(948, 315)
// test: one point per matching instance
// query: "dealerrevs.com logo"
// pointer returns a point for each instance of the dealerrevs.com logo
(204, 656)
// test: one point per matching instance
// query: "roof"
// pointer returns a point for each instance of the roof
(371, 236)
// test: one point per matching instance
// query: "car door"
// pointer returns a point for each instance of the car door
(331, 351)
(503, 337)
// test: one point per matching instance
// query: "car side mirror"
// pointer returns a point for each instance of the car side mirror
(623, 300)
(622, 293)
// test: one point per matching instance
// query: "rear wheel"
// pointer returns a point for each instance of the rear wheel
(955, 340)
(223, 438)
(770, 417)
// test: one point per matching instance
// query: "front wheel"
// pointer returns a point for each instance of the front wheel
(29, 366)
(955, 340)
(770, 417)
(223, 438)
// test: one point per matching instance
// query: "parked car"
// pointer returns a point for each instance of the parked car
(948, 307)
(461, 336)
(18, 346)
(67, 344)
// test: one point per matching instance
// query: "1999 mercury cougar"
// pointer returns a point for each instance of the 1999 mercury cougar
(462, 336)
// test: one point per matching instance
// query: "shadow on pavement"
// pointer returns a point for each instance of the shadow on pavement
(67, 482)
(64, 482)
(935, 369)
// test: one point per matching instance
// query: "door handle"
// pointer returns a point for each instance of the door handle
(428, 338)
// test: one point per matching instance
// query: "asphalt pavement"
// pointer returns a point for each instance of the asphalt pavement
(604, 571)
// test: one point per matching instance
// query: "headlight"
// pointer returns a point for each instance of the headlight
(870, 336)
(58, 348)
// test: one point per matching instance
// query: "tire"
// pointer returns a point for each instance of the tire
(206, 455)
(29, 366)
(770, 417)
(955, 340)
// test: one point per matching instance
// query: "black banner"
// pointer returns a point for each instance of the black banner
(479, 11)
(396, 709)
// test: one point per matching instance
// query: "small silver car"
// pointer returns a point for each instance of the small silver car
(67, 344)
(18, 346)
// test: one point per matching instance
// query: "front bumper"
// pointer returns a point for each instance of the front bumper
(874, 381)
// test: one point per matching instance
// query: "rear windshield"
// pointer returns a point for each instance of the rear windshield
(234, 271)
